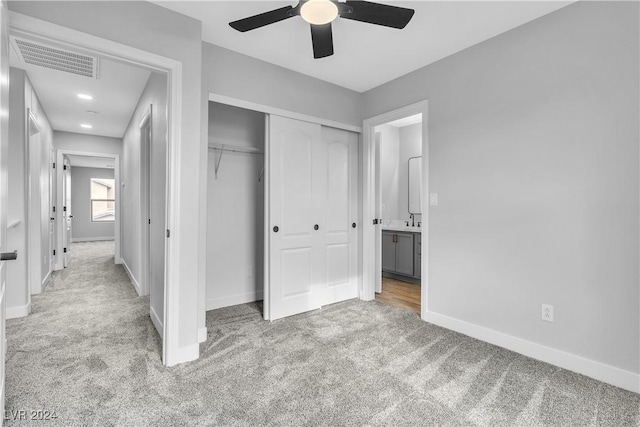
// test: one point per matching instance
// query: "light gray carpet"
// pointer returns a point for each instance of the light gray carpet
(90, 353)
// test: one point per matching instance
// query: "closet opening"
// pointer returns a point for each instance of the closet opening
(235, 207)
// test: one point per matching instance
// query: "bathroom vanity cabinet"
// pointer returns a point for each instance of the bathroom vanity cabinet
(401, 251)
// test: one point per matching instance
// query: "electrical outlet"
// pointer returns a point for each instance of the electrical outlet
(547, 312)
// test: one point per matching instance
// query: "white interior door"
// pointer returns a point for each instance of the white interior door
(67, 216)
(341, 213)
(4, 106)
(294, 259)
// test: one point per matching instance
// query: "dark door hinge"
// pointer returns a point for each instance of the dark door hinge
(168, 234)
(65, 250)
(149, 220)
(64, 167)
(54, 208)
(375, 221)
(54, 165)
(54, 252)
(64, 209)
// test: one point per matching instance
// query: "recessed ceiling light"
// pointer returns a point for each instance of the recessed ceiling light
(91, 113)
(85, 96)
(86, 126)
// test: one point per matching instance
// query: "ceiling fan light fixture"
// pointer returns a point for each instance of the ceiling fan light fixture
(319, 12)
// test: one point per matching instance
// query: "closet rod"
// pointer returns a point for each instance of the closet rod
(234, 149)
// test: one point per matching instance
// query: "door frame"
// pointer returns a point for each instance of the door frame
(33, 249)
(173, 352)
(371, 252)
(145, 204)
(60, 226)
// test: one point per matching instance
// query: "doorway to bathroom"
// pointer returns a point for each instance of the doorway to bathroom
(398, 177)
(395, 190)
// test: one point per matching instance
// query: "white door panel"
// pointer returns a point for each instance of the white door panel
(294, 266)
(340, 173)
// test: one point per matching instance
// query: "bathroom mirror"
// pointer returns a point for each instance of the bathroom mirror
(415, 187)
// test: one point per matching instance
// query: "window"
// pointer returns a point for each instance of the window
(103, 202)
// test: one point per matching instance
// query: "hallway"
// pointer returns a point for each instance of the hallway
(88, 334)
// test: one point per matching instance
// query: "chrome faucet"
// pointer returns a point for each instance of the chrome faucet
(413, 222)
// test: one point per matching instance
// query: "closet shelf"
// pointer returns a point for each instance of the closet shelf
(221, 148)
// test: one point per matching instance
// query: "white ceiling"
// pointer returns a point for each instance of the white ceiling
(90, 162)
(115, 93)
(366, 55)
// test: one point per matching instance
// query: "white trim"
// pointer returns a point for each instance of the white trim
(145, 206)
(19, 311)
(371, 254)
(91, 239)
(135, 283)
(223, 99)
(156, 321)
(591, 368)
(202, 334)
(214, 303)
(172, 351)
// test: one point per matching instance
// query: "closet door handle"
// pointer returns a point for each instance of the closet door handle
(316, 227)
(275, 229)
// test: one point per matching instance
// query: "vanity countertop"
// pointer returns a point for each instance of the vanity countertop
(402, 228)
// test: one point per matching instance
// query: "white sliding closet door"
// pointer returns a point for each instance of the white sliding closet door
(294, 246)
(311, 253)
(341, 214)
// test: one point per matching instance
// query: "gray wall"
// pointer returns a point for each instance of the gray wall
(533, 141)
(229, 73)
(410, 146)
(80, 142)
(389, 174)
(83, 229)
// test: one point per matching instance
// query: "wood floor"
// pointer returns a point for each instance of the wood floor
(400, 294)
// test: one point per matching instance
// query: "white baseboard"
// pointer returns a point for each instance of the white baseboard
(591, 368)
(136, 285)
(45, 282)
(91, 239)
(156, 322)
(213, 303)
(19, 311)
(202, 334)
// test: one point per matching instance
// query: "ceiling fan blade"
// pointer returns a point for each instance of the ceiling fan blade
(322, 39)
(378, 14)
(262, 19)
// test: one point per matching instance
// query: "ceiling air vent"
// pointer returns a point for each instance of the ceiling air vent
(57, 59)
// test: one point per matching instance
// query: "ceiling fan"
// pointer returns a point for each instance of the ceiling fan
(320, 13)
